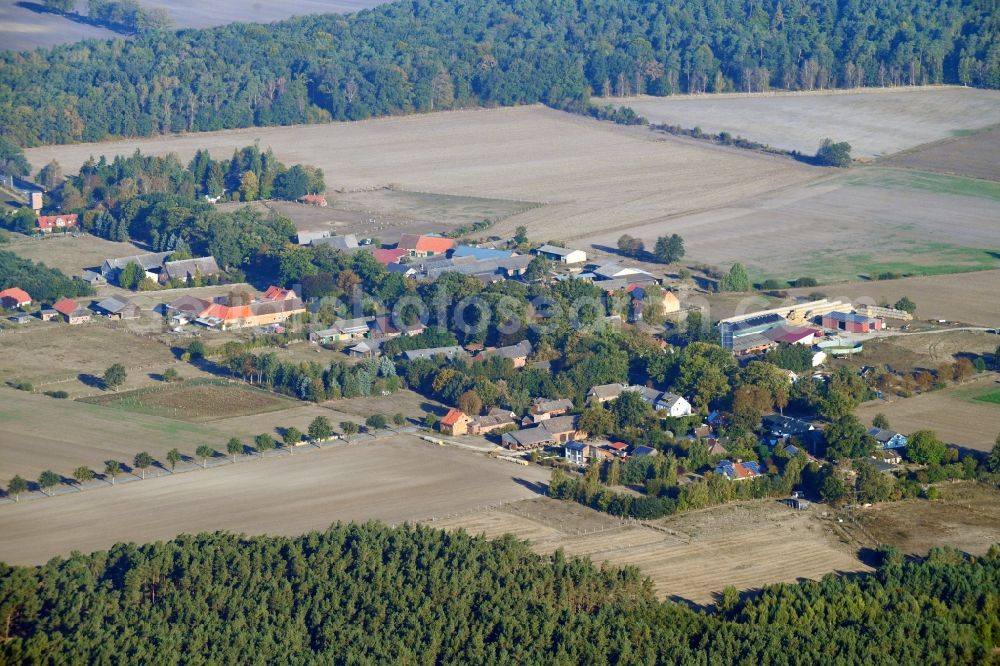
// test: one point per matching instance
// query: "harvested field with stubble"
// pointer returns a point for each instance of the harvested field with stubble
(393, 480)
(69, 254)
(692, 556)
(953, 413)
(593, 176)
(196, 401)
(876, 122)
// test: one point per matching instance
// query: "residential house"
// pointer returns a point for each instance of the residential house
(575, 453)
(455, 422)
(14, 297)
(738, 471)
(341, 331)
(71, 311)
(640, 451)
(604, 393)
(544, 408)
(345, 243)
(425, 246)
(307, 237)
(274, 307)
(888, 439)
(518, 353)
(715, 448)
(852, 323)
(364, 349)
(388, 256)
(47, 314)
(431, 352)
(889, 456)
(278, 294)
(619, 449)
(674, 405)
(189, 269)
(384, 328)
(118, 307)
(562, 255)
(783, 427)
(150, 263)
(49, 223)
(495, 420)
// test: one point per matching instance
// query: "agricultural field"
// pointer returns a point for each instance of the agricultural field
(53, 356)
(69, 254)
(876, 122)
(973, 155)
(392, 480)
(592, 176)
(954, 413)
(22, 28)
(195, 401)
(907, 353)
(689, 557)
(967, 517)
(847, 225)
(969, 299)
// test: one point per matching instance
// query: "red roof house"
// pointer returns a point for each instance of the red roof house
(71, 311)
(455, 422)
(14, 298)
(390, 256)
(47, 223)
(278, 294)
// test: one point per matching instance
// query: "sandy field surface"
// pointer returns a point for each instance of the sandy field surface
(975, 156)
(874, 122)
(689, 557)
(403, 479)
(21, 28)
(594, 176)
(952, 413)
(969, 298)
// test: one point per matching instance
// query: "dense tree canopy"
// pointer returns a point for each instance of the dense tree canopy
(44, 284)
(370, 594)
(434, 54)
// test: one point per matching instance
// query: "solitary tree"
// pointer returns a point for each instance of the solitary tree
(521, 235)
(173, 457)
(204, 452)
(263, 442)
(349, 428)
(993, 461)
(234, 447)
(736, 279)
(320, 429)
(924, 447)
(114, 376)
(142, 462)
(399, 419)
(112, 469)
(131, 275)
(669, 248)
(470, 403)
(833, 154)
(50, 175)
(170, 375)
(17, 486)
(376, 422)
(48, 479)
(906, 305)
(291, 438)
(631, 247)
(82, 475)
(880, 420)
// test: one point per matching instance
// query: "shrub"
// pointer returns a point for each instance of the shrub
(61, 395)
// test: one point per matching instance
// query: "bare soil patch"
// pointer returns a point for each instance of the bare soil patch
(874, 121)
(950, 412)
(196, 401)
(974, 156)
(967, 517)
(397, 480)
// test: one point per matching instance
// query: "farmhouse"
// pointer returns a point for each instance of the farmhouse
(887, 439)
(384, 328)
(550, 431)
(15, 297)
(663, 401)
(576, 453)
(71, 311)
(852, 323)
(455, 422)
(424, 246)
(364, 349)
(562, 254)
(274, 307)
(116, 307)
(543, 409)
(189, 269)
(604, 393)
(151, 263)
(738, 471)
(644, 451)
(305, 237)
(431, 352)
(496, 418)
(517, 353)
(345, 243)
(389, 256)
(93, 278)
(49, 223)
(480, 253)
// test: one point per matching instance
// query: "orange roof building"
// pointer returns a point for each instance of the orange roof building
(14, 297)
(455, 422)
(47, 223)
(425, 246)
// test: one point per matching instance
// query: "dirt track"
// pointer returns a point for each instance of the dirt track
(404, 479)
